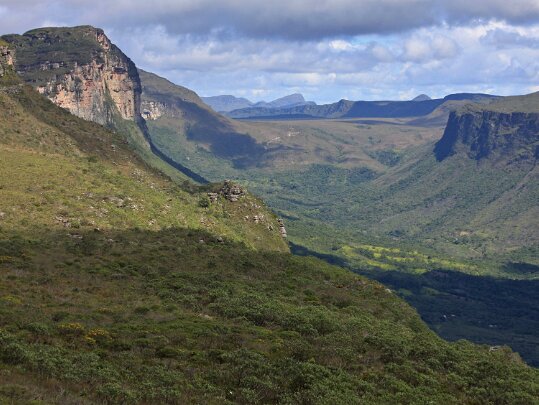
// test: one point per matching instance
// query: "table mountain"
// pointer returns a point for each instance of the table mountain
(81, 70)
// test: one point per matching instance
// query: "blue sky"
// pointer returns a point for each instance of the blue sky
(327, 50)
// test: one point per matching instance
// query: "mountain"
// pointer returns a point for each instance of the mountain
(173, 111)
(359, 109)
(226, 103)
(80, 70)
(119, 285)
(421, 97)
(505, 130)
(286, 101)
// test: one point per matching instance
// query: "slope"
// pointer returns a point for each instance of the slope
(118, 286)
(79, 69)
(370, 194)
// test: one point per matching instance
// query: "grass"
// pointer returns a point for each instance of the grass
(159, 317)
(103, 184)
(116, 288)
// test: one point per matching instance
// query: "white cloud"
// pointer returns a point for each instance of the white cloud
(328, 49)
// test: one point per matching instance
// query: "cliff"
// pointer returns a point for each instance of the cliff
(6, 60)
(80, 70)
(492, 132)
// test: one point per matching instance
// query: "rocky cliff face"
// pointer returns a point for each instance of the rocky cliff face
(480, 134)
(80, 70)
(6, 59)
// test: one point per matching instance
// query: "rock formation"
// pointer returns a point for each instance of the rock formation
(232, 192)
(80, 70)
(6, 59)
(484, 134)
(152, 110)
(282, 229)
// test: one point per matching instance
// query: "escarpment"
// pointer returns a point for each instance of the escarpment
(80, 70)
(482, 134)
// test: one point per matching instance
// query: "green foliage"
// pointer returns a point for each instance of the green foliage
(157, 324)
(117, 287)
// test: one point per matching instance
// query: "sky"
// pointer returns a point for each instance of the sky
(325, 49)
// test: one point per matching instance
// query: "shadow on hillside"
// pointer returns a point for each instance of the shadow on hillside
(484, 310)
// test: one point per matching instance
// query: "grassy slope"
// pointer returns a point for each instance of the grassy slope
(108, 295)
(103, 184)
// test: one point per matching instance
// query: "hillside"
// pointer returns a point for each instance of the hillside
(380, 176)
(472, 194)
(119, 286)
(79, 69)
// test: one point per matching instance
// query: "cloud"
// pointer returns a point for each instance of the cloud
(327, 49)
(289, 19)
(507, 38)
(424, 47)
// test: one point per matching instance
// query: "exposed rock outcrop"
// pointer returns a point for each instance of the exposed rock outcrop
(512, 136)
(232, 192)
(152, 110)
(6, 59)
(282, 229)
(80, 70)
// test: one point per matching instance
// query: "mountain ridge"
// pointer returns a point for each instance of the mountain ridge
(228, 103)
(360, 109)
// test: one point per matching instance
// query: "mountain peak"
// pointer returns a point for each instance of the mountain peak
(286, 101)
(227, 102)
(422, 97)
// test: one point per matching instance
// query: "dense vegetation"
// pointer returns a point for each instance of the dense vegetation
(378, 177)
(159, 317)
(119, 286)
(369, 194)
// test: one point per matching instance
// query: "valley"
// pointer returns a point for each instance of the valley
(131, 272)
(377, 195)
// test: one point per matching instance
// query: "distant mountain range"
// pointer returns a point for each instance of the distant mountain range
(419, 106)
(228, 103)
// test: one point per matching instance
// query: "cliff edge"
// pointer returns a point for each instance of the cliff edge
(502, 131)
(80, 70)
